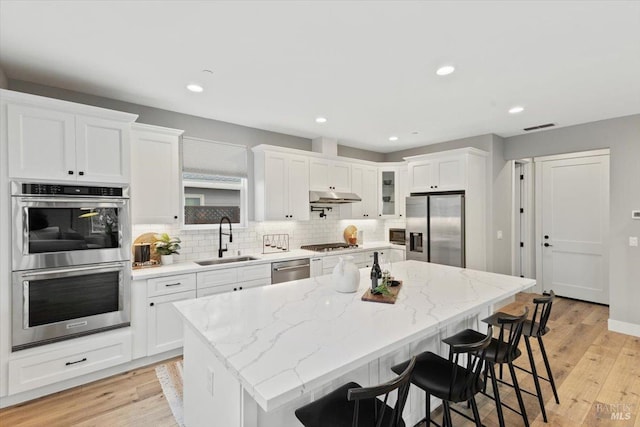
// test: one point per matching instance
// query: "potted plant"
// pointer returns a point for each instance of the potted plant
(166, 246)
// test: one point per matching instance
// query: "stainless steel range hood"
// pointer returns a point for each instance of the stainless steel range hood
(332, 197)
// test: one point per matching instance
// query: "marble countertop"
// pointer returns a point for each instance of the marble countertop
(284, 339)
(192, 267)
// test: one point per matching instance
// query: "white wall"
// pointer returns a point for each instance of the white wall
(622, 136)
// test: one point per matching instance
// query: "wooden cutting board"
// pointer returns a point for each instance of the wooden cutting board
(351, 230)
(147, 238)
(387, 299)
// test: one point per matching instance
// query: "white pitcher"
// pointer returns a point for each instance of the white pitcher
(346, 276)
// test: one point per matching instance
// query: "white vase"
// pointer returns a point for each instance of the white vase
(346, 276)
(166, 259)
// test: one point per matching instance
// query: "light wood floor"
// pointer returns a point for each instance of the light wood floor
(592, 366)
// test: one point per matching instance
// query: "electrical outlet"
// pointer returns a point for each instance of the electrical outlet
(633, 241)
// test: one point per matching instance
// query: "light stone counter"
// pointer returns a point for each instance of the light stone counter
(192, 267)
(274, 344)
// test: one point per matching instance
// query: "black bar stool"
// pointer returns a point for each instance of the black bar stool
(537, 327)
(356, 406)
(447, 379)
(502, 350)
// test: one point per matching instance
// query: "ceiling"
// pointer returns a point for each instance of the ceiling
(368, 67)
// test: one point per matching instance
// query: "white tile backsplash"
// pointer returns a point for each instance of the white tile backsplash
(203, 244)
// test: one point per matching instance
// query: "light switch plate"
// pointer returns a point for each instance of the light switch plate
(499, 234)
(633, 241)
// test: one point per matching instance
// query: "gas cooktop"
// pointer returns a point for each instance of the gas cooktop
(327, 247)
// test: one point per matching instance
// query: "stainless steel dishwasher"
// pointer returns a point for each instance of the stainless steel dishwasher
(286, 271)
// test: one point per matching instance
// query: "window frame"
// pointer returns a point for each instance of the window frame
(242, 186)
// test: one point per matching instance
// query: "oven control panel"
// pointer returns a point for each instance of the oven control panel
(70, 190)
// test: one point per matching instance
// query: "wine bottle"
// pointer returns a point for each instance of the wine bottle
(376, 273)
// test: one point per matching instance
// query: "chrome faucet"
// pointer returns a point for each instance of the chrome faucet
(230, 234)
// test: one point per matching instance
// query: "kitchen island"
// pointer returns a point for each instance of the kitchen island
(252, 358)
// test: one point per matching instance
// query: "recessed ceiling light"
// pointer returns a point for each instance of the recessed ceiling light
(515, 110)
(195, 87)
(393, 138)
(445, 70)
(321, 119)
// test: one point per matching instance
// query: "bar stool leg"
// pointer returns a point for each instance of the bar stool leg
(536, 380)
(496, 395)
(476, 414)
(447, 414)
(546, 364)
(428, 410)
(523, 411)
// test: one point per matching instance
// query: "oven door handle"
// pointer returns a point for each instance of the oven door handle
(101, 267)
(94, 200)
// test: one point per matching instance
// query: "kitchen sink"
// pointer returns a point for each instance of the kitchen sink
(226, 260)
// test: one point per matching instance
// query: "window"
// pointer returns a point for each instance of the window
(208, 198)
(214, 183)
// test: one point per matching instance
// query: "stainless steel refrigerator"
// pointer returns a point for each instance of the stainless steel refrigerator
(435, 228)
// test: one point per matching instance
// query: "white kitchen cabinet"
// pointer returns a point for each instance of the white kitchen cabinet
(316, 267)
(281, 186)
(42, 366)
(438, 172)
(364, 183)
(329, 175)
(61, 141)
(388, 200)
(164, 324)
(155, 161)
(232, 279)
(396, 255)
(403, 190)
(164, 331)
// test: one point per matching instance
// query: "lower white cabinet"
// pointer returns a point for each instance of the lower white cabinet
(164, 331)
(233, 279)
(316, 267)
(63, 361)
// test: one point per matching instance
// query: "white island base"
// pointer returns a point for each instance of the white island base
(252, 358)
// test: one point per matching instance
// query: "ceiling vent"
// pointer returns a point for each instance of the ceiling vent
(546, 125)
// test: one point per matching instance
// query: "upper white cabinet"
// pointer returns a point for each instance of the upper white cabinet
(364, 184)
(155, 160)
(281, 185)
(444, 171)
(403, 190)
(62, 141)
(329, 175)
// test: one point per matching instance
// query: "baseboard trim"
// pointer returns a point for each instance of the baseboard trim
(624, 327)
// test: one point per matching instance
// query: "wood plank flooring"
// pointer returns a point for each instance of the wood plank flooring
(597, 373)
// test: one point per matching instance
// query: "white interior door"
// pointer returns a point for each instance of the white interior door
(573, 227)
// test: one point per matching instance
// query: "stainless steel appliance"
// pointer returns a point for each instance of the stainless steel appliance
(435, 228)
(332, 197)
(397, 236)
(286, 271)
(71, 261)
(61, 225)
(55, 304)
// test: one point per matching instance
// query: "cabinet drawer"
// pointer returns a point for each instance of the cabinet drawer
(217, 277)
(171, 284)
(254, 272)
(84, 357)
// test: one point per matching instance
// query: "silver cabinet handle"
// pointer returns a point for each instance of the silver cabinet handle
(72, 270)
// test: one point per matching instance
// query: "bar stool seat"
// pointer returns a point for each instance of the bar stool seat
(354, 406)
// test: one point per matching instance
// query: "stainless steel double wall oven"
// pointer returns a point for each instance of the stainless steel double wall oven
(70, 260)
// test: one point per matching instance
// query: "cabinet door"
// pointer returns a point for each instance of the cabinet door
(370, 192)
(316, 267)
(357, 185)
(42, 144)
(340, 176)
(421, 177)
(298, 188)
(449, 174)
(276, 187)
(403, 191)
(319, 175)
(164, 324)
(388, 200)
(102, 150)
(151, 153)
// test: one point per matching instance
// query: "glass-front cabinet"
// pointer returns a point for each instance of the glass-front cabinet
(388, 203)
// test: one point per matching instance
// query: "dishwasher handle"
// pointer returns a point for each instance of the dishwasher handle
(294, 267)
